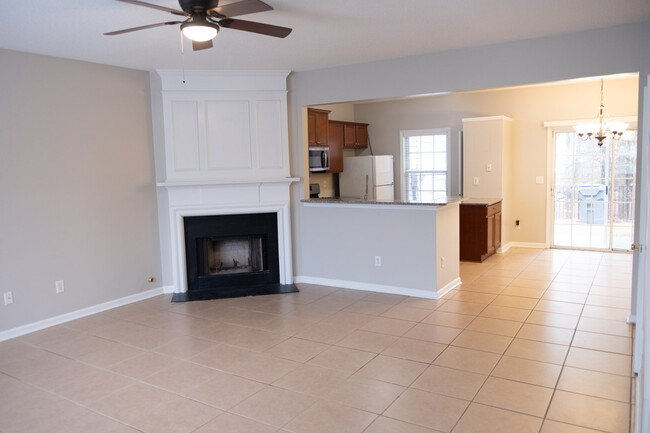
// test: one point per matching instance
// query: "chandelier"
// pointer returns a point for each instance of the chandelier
(601, 128)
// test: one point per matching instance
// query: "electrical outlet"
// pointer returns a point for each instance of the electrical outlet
(476, 181)
(60, 287)
(9, 298)
(377, 260)
(442, 262)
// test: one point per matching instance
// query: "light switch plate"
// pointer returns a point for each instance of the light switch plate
(539, 179)
(488, 167)
(476, 181)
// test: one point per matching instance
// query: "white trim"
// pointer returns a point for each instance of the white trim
(178, 213)
(418, 133)
(565, 127)
(568, 124)
(67, 317)
(243, 181)
(168, 289)
(541, 245)
(631, 319)
(449, 287)
(550, 186)
(504, 248)
(482, 119)
(369, 287)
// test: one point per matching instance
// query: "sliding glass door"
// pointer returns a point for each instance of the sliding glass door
(594, 192)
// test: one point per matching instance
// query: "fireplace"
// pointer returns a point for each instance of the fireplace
(231, 256)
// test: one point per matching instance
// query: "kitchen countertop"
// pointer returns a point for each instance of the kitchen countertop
(360, 201)
(481, 201)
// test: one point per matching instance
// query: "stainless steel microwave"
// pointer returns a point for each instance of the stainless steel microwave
(319, 158)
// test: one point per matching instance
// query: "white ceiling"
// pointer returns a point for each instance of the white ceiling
(326, 33)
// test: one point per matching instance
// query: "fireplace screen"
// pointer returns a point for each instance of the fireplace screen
(219, 256)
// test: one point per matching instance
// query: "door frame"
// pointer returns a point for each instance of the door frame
(640, 315)
(567, 126)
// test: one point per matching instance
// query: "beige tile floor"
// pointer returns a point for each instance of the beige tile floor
(533, 341)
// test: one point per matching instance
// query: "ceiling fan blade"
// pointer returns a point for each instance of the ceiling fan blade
(150, 26)
(149, 5)
(196, 46)
(251, 26)
(240, 8)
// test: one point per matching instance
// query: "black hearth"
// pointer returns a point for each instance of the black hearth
(232, 255)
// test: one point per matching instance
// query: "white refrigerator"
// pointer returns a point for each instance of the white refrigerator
(367, 177)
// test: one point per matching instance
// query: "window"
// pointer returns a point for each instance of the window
(424, 164)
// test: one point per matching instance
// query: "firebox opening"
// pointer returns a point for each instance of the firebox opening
(218, 256)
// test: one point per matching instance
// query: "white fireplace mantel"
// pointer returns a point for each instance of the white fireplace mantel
(228, 199)
(221, 148)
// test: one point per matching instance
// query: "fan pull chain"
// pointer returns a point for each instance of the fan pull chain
(182, 56)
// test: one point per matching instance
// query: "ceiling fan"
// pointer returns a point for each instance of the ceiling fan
(204, 19)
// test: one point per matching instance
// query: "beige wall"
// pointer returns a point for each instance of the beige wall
(77, 193)
(529, 107)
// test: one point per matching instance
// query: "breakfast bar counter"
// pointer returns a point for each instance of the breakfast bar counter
(327, 201)
(394, 247)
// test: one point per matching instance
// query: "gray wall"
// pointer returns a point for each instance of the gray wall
(625, 48)
(404, 238)
(77, 194)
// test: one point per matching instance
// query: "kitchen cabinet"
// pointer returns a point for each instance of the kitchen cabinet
(480, 229)
(335, 143)
(355, 135)
(317, 127)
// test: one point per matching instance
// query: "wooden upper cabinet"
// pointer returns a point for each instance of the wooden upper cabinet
(362, 134)
(335, 137)
(317, 127)
(355, 135)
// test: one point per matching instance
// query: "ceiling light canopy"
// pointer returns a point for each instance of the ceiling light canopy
(199, 29)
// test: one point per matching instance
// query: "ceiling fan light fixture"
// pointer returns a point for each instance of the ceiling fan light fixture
(200, 30)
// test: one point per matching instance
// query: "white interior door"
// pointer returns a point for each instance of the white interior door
(594, 192)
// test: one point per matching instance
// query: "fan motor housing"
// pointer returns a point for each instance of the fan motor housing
(190, 6)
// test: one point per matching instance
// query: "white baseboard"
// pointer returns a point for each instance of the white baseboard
(631, 319)
(503, 248)
(169, 289)
(369, 287)
(57, 320)
(448, 287)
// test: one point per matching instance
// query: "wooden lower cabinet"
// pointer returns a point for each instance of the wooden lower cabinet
(480, 231)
